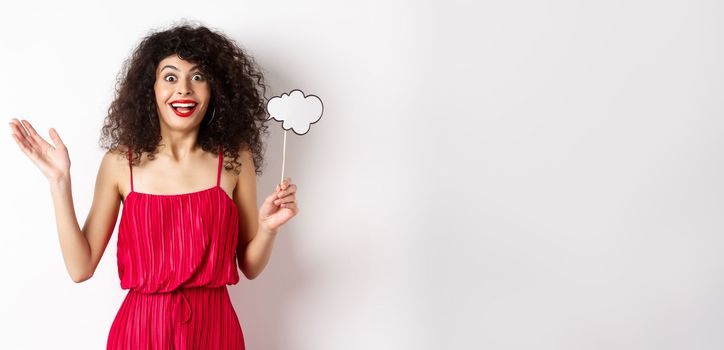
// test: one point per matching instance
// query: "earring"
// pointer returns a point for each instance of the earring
(212, 115)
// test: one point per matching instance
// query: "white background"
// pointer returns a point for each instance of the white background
(486, 175)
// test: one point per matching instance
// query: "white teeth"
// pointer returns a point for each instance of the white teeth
(182, 105)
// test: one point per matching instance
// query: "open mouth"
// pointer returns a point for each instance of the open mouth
(183, 108)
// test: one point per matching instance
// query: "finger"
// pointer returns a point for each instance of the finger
(286, 182)
(26, 147)
(14, 128)
(26, 132)
(20, 131)
(270, 198)
(291, 190)
(18, 135)
(288, 199)
(12, 124)
(22, 144)
(34, 135)
(56, 138)
(28, 137)
(20, 127)
(293, 206)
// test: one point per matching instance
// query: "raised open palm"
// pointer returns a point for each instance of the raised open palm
(52, 159)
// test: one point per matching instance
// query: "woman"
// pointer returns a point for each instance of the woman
(189, 103)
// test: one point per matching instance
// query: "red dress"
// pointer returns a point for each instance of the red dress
(176, 254)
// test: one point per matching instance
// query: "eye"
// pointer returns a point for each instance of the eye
(201, 77)
(169, 76)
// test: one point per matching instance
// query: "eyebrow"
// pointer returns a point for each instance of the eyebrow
(174, 67)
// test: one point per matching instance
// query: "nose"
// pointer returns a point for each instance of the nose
(183, 88)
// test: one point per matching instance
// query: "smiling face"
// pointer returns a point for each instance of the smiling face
(182, 93)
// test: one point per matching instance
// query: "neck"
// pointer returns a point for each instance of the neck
(177, 145)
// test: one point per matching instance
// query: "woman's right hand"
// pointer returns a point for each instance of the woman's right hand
(53, 160)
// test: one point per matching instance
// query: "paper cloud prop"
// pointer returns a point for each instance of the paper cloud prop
(295, 110)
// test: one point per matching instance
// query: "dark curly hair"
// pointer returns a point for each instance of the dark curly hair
(237, 95)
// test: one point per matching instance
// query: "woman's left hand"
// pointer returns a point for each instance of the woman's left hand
(278, 207)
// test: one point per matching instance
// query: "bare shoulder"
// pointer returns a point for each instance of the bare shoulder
(114, 166)
(248, 170)
(116, 157)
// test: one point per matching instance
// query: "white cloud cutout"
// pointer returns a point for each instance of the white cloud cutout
(295, 111)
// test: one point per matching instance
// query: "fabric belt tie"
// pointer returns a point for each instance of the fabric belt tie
(181, 308)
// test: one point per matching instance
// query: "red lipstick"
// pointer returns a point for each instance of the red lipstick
(188, 105)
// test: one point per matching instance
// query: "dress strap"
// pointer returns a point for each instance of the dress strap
(221, 160)
(130, 167)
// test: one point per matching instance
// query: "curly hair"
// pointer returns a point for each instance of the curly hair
(237, 95)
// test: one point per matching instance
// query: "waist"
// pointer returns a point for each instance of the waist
(181, 304)
(146, 288)
(148, 281)
(180, 289)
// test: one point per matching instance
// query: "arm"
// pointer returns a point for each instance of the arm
(257, 232)
(255, 244)
(83, 249)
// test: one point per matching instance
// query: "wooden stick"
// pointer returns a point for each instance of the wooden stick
(284, 156)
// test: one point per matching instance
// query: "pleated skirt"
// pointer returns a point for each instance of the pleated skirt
(185, 319)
